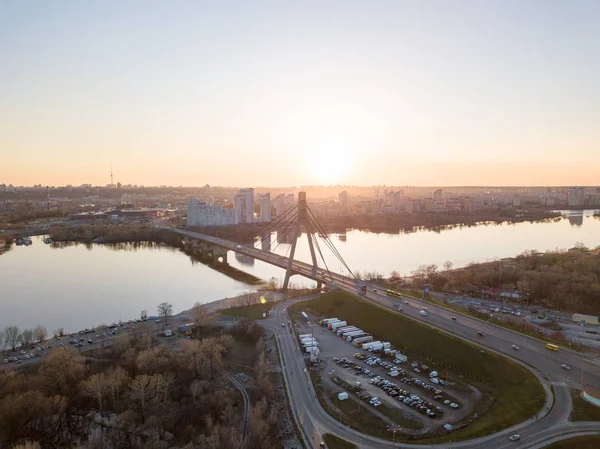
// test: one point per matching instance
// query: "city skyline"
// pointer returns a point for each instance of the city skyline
(392, 93)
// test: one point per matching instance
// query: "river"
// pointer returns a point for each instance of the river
(81, 286)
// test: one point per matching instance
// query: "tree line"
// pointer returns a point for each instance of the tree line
(12, 336)
(567, 280)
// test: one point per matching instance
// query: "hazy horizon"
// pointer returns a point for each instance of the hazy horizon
(428, 93)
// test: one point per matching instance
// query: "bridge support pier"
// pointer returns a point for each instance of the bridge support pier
(208, 252)
(301, 219)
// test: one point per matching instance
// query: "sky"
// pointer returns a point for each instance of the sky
(286, 93)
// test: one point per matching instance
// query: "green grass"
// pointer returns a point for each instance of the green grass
(334, 442)
(513, 394)
(583, 410)
(586, 442)
(253, 312)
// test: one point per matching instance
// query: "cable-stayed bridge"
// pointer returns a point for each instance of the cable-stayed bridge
(288, 228)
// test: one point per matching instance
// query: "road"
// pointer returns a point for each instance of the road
(246, 405)
(315, 421)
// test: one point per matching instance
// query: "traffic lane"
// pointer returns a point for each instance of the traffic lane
(574, 361)
(531, 433)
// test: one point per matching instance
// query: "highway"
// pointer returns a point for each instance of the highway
(315, 421)
(552, 422)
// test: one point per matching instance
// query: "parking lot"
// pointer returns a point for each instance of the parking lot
(429, 401)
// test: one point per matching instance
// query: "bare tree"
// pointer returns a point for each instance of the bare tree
(140, 389)
(196, 387)
(165, 310)
(40, 333)
(2, 338)
(60, 371)
(201, 316)
(11, 336)
(59, 332)
(96, 387)
(144, 314)
(26, 338)
(448, 265)
(117, 379)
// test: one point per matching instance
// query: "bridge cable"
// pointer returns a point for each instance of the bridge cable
(328, 242)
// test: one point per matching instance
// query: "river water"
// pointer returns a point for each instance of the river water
(81, 286)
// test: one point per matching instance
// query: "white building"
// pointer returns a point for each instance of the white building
(200, 213)
(438, 197)
(283, 203)
(244, 206)
(394, 200)
(265, 208)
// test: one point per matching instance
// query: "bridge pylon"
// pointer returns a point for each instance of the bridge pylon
(302, 218)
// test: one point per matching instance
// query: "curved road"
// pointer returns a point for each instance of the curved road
(553, 423)
(315, 421)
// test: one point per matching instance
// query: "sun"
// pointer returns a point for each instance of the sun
(330, 160)
(331, 164)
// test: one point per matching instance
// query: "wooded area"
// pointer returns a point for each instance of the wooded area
(137, 394)
(561, 280)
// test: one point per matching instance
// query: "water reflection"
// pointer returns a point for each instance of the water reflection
(575, 220)
(75, 285)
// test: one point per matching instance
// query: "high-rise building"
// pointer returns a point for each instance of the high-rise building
(265, 208)
(343, 199)
(438, 197)
(576, 196)
(289, 201)
(200, 213)
(244, 206)
(283, 203)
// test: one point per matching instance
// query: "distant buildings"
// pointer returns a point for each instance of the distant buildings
(265, 208)
(200, 213)
(244, 206)
(394, 200)
(438, 197)
(283, 203)
(343, 200)
(576, 196)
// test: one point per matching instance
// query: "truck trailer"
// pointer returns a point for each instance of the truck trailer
(354, 335)
(337, 325)
(326, 321)
(360, 340)
(346, 329)
(367, 346)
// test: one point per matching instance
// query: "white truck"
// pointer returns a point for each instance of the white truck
(346, 329)
(356, 334)
(331, 321)
(326, 321)
(367, 346)
(360, 340)
(376, 347)
(345, 334)
(400, 357)
(337, 325)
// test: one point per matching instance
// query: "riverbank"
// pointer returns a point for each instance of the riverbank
(394, 223)
(403, 222)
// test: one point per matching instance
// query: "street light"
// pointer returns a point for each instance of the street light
(395, 428)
